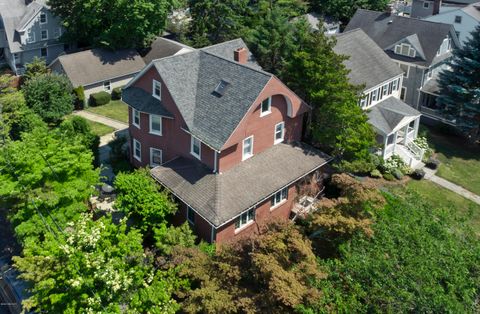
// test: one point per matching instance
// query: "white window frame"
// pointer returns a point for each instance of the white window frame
(395, 85)
(193, 140)
(280, 140)
(374, 95)
(152, 150)
(283, 197)
(135, 143)
(135, 112)
(363, 102)
(107, 86)
(246, 156)
(384, 90)
(151, 130)
(192, 222)
(58, 32)
(412, 53)
(269, 111)
(245, 219)
(44, 31)
(40, 18)
(31, 39)
(154, 85)
(426, 4)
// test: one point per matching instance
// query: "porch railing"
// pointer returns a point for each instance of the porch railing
(416, 150)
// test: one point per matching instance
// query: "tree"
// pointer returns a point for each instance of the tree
(95, 267)
(215, 21)
(76, 126)
(38, 66)
(113, 24)
(319, 76)
(460, 87)
(50, 96)
(139, 197)
(166, 238)
(270, 272)
(345, 9)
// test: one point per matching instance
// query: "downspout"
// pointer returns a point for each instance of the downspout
(215, 161)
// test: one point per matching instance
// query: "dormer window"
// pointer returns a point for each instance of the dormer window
(266, 107)
(43, 18)
(405, 50)
(157, 90)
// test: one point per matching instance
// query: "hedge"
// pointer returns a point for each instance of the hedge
(100, 98)
(79, 97)
(117, 93)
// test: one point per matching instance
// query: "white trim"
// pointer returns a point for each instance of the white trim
(40, 18)
(248, 222)
(275, 140)
(109, 86)
(282, 200)
(134, 111)
(427, 4)
(192, 140)
(32, 40)
(245, 157)
(135, 142)
(215, 161)
(154, 82)
(150, 130)
(152, 164)
(269, 111)
(42, 32)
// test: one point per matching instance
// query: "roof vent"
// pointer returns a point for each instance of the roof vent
(221, 87)
(390, 22)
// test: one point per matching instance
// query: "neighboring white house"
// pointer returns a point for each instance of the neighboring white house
(330, 25)
(99, 69)
(463, 19)
(395, 122)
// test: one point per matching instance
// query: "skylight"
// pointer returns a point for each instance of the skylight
(221, 87)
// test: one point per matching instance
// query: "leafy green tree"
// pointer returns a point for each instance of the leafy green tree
(420, 260)
(460, 87)
(113, 24)
(76, 126)
(215, 21)
(319, 76)
(38, 66)
(345, 9)
(258, 9)
(139, 197)
(50, 96)
(166, 238)
(95, 267)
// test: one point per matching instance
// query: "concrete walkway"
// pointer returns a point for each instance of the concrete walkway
(430, 175)
(117, 125)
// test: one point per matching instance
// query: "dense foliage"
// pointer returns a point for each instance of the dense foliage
(50, 96)
(38, 66)
(113, 24)
(345, 9)
(460, 87)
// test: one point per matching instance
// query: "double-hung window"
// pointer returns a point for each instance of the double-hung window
(44, 34)
(155, 124)
(43, 18)
(385, 90)
(247, 148)
(279, 132)
(195, 147)
(155, 157)
(157, 89)
(266, 107)
(43, 52)
(245, 219)
(279, 197)
(374, 95)
(136, 117)
(190, 215)
(395, 85)
(137, 150)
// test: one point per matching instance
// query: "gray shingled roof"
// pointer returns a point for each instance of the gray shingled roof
(314, 19)
(220, 198)
(387, 29)
(387, 115)
(191, 79)
(161, 48)
(97, 65)
(226, 49)
(368, 63)
(144, 102)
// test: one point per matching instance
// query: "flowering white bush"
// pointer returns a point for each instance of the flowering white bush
(395, 163)
(422, 143)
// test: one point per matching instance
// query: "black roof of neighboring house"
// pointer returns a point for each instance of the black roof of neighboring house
(387, 115)
(220, 198)
(97, 65)
(163, 47)
(368, 63)
(387, 29)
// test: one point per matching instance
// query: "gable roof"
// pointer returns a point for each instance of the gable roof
(219, 198)
(226, 49)
(314, 19)
(191, 79)
(368, 63)
(387, 115)
(97, 65)
(163, 47)
(387, 29)
(473, 10)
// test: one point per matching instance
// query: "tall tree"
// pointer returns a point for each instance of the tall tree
(460, 87)
(114, 24)
(318, 75)
(345, 9)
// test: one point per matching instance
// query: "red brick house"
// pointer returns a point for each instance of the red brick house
(222, 135)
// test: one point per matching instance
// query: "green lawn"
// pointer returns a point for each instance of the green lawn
(100, 129)
(116, 110)
(440, 197)
(460, 160)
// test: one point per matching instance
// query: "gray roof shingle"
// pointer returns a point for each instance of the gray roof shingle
(368, 63)
(161, 48)
(220, 198)
(97, 65)
(226, 49)
(142, 101)
(387, 115)
(387, 29)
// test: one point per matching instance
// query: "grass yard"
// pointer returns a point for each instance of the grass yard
(100, 129)
(440, 197)
(116, 110)
(460, 160)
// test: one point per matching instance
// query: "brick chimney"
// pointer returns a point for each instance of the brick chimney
(240, 55)
(436, 6)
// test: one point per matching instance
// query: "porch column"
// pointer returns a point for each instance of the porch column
(395, 136)
(405, 134)
(417, 125)
(385, 139)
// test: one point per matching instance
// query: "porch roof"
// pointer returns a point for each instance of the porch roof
(431, 87)
(219, 198)
(391, 115)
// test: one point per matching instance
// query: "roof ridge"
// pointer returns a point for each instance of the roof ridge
(405, 18)
(238, 63)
